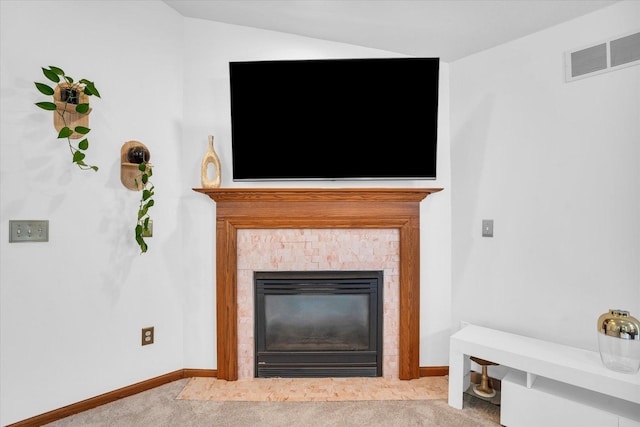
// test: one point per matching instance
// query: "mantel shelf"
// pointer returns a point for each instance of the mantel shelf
(317, 194)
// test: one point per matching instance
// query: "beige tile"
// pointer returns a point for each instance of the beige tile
(334, 249)
(315, 389)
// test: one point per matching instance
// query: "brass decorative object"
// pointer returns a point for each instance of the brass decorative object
(483, 389)
(619, 341)
(210, 157)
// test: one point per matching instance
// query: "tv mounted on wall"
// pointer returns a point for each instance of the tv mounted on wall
(334, 119)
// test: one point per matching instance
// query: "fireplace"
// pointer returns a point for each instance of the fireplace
(312, 208)
(318, 323)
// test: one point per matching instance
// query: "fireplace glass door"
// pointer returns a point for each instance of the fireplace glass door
(318, 324)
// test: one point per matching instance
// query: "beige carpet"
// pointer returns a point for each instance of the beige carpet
(159, 407)
(314, 389)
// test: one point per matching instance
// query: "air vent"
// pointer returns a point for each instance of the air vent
(589, 60)
(609, 55)
(625, 50)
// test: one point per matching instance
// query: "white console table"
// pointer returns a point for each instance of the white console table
(562, 365)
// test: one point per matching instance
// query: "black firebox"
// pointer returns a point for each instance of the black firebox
(318, 324)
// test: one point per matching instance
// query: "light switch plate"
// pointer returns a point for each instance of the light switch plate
(28, 231)
(487, 228)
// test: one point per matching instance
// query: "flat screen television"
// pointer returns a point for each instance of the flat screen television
(334, 119)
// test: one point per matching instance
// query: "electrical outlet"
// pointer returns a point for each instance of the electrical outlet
(28, 231)
(147, 335)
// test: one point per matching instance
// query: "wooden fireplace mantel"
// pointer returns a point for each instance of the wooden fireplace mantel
(313, 208)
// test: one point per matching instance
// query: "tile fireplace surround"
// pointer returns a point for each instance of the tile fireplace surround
(314, 209)
(314, 250)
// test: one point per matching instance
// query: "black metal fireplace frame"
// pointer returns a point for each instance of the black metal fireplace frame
(324, 363)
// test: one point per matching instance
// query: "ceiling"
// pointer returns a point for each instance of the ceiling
(449, 29)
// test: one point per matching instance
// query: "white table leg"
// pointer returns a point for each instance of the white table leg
(459, 377)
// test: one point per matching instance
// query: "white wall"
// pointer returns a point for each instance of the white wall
(557, 166)
(72, 309)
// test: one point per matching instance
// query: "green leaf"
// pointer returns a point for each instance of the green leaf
(142, 212)
(146, 224)
(68, 79)
(82, 108)
(84, 144)
(51, 75)
(145, 178)
(78, 156)
(56, 70)
(139, 239)
(49, 106)
(90, 88)
(82, 130)
(95, 168)
(45, 89)
(146, 194)
(65, 132)
(142, 167)
(150, 203)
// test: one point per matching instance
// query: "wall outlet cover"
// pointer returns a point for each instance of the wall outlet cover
(147, 335)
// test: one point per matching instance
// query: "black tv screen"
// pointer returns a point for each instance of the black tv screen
(334, 119)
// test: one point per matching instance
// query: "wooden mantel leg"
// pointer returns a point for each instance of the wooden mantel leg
(227, 300)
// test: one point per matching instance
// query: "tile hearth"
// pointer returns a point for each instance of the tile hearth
(315, 389)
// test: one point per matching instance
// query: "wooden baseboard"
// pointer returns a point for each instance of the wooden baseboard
(434, 371)
(189, 373)
(112, 396)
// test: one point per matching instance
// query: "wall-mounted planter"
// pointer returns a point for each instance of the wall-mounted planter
(132, 154)
(67, 97)
(70, 106)
(135, 171)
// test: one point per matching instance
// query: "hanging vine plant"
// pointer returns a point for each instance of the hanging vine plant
(71, 109)
(146, 202)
